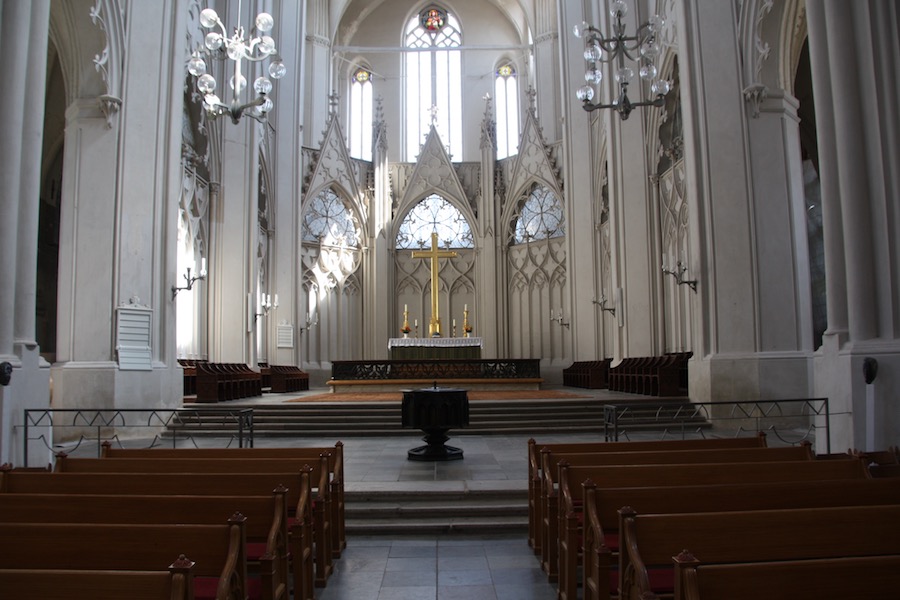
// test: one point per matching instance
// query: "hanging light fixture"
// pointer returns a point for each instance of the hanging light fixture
(217, 45)
(641, 48)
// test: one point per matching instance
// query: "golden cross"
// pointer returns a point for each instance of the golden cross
(434, 326)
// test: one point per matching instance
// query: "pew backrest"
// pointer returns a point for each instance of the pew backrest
(551, 460)
(94, 584)
(857, 577)
(613, 476)
(217, 550)
(651, 540)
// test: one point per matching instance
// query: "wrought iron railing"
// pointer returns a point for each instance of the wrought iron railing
(86, 425)
(436, 369)
(791, 421)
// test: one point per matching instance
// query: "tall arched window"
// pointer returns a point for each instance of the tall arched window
(506, 92)
(361, 114)
(433, 80)
(540, 217)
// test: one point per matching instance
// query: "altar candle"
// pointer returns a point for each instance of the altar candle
(416, 322)
(454, 322)
(465, 308)
(405, 309)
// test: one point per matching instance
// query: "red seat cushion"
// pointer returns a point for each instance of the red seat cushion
(255, 550)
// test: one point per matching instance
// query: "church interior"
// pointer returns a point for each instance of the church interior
(314, 183)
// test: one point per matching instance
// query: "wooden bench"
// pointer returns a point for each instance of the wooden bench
(571, 479)
(867, 577)
(649, 541)
(323, 513)
(226, 381)
(592, 375)
(219, 570)
(335, 455)
(220, 465)
(287, 378)
(601, 515)
(555, 512)
(84, 584)
(534, 465)
(664, 375)
(266, 528)
(305, 513)
(189, 367)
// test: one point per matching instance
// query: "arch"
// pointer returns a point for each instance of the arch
(456, 227)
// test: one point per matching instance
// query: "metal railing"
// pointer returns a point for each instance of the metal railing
(790, 421)
(102, 425)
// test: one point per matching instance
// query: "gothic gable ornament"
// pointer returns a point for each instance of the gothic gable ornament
(433, 173)
(334, 168)
(533, 162)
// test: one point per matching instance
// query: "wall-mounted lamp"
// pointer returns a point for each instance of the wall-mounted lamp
(189, 279)
(602, 304)
(266, 304)
(559, 319)
(678, 273)
(312, 321)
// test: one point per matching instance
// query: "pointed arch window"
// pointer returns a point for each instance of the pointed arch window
(328, 222)
(361, 114)
(434, 214)
(540, 217)
(506, 92)
(433, 80)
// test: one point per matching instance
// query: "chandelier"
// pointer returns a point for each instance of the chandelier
(218, 46)
(641, 48)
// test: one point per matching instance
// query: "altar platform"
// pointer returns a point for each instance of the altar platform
(471, 374)
(415, 348)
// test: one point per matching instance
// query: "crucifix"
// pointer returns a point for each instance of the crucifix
(434, 326)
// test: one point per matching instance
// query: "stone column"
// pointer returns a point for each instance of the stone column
(23, 57)
(582, 254)
(835, 269)
(487, 288)
(854, 184)
(15, 33)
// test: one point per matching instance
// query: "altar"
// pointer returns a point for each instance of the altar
(435, 348)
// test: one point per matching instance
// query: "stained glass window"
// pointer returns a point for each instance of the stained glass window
(433, 81)
(434, 214)
(506, 93)
(361, 114)
(540, 217)
(433, 19)
(328, 222)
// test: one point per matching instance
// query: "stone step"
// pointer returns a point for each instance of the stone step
(398, 513)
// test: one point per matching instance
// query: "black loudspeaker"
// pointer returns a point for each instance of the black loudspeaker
(870, 369)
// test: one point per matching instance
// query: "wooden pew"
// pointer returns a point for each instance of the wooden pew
(601, 515)
(554, 512)
(84, 584)
(869, 578)
(326, 515)
(219, 570)
(534, 464)
(334, 453)
(266, 528)
(648, 541)
(288, 378)
(613, 476)
(305, 511)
